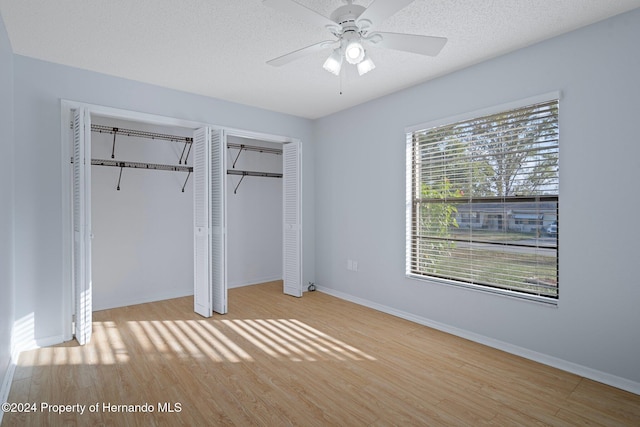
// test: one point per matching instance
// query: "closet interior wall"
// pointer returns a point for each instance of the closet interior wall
(254, 215)
(142, 249)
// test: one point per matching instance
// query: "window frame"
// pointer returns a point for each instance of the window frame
(496, 109)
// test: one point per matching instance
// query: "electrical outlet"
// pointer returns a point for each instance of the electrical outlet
(355, 266)
(349, 264)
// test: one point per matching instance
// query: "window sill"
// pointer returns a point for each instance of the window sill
(546, 301)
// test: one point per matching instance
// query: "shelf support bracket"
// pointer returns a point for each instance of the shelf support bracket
(239, 182)
(186, 142)
(189, 150)
(120, 176)
(182, 155)
(185, 181)
(234, 162)
(113, 148)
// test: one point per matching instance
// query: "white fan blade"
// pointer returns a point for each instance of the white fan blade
(378, 11)
(297, 54)
(424, 45)
(301, 12)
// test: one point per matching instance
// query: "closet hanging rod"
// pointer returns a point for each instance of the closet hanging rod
(139, 133)
(251, 173)
(241, 147)
(254, 148)
(140, 165)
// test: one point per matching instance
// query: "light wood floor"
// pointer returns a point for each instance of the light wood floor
(315, 361)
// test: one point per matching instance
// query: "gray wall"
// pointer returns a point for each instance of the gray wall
(360, 194)
(39, 86)
(6, 201)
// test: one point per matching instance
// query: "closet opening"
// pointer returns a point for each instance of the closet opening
(126, 157)
(141, 212)
(254, 211)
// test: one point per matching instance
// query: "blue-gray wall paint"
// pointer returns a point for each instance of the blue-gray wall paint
(39, 87)
(6, 200)
(360, 193)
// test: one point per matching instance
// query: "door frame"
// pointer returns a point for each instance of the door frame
(259, 136)
(67, 178)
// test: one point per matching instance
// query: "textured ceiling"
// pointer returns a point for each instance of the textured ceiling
(219, 48)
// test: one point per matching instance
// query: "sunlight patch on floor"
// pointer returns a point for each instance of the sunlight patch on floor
(231, 341)
(294, 340)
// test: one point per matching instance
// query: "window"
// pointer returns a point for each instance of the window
(482, 202)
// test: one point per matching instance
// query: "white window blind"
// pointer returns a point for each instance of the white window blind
(482, 202)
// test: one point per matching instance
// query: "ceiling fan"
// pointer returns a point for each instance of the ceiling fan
(353, 27)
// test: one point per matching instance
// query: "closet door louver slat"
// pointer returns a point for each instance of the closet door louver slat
(82, 224)
(292, 227)
(201, 276)
(218, 185)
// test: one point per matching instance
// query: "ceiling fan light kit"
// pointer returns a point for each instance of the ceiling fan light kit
(354, 52)
(333, 64)
(353, 26)
(365, 66)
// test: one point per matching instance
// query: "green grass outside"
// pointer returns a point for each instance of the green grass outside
(530, 273)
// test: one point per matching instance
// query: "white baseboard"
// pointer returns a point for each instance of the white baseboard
(257, 281)
(574, 368)
(6, 383)
(106, 304)
(15, 354)
(22, 340)
(37, 343)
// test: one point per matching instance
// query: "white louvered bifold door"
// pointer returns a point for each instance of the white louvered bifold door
(201, 242)
(292, 227)
(218, 248)
(82, 224)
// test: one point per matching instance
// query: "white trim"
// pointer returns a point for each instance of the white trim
(42, 342)
(65, 137)
(257, 281)
(295, 228)
(35, 344)
(517, 296)
(119, 113)
(564, 365)
(239, 133)
(549, 96)
(16, 349)
(521, 103)
(116, 303)
(408, 206)
(67, 221)
(7, 380)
